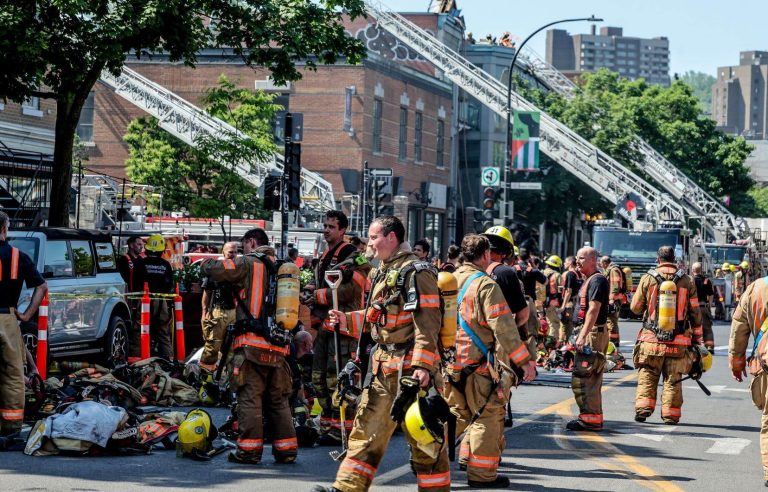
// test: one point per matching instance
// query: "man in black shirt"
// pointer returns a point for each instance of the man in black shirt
(571, 285)
(157, 273)
(591, 343)
(16, 268)
(529, 274)
(705, 292)
(128, 263)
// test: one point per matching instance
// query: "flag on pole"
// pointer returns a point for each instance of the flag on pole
(525, 141)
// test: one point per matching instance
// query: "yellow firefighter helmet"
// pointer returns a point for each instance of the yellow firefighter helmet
(155, 243)
(196, 433)
(425, 419)
(706, 358)
(726, 267)
(744, 265)
(554, 261)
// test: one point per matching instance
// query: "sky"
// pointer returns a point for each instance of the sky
(703, 34)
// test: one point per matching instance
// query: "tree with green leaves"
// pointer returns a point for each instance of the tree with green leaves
(58, 49)
(203, 178)
(701, 83)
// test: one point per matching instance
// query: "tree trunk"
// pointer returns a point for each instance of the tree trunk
(61, 183)
(69, 103)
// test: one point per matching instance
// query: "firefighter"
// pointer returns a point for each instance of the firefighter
(671, 325)
(571, 281)
(218, 305)
(127, 264)
(404, 319)
(705, 292)
(749, 318)
(351, 298)
(260, 374)
(488, 346)
(739, 279)
(529, 273)
(157, 273)
(591, 343)
(16, 269)
(554, 296)
(617, 295)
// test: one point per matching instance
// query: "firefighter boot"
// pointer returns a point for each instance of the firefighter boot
(501, 482)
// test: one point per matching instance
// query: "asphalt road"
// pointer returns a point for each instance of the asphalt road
(714, 448)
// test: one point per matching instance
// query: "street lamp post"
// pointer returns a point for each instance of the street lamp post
(510, 119)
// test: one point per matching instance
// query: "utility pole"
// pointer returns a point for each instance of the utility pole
(284, 186)
(364, 204)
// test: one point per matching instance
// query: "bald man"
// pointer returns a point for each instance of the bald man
(705, 292)
(590, 318)
(218, 313)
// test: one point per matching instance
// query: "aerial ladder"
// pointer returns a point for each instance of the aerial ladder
(188, 123)
(696, 202)
(595, 168)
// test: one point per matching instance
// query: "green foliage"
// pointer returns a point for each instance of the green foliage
(188, 275)
(760, 195)
(58, 48)
(701, 83)
(203, 178)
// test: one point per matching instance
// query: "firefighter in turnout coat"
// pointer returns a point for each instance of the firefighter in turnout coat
(749, 318)
(671, 355)
(488, 347)
(406, 334)
(259, 372)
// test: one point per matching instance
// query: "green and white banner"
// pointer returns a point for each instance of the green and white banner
(525, 141)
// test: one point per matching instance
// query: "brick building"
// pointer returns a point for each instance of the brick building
(393, 111)
(739, 96)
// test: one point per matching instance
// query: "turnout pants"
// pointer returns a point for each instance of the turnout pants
(566, 327)
(587, 388)
(706, 325)
(650, 369)
(264, 391)
(160, 328)
(759, 388)
(324, 380)
(214, 329)
(371, 432)
(11, 375)
(483, 442)
(612, 323)
(554, 321)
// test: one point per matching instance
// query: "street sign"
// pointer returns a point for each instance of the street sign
(523, 185)
(490, 176)
(381, 172)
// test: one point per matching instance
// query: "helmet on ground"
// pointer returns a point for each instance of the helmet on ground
(155, 243)
(425, 419)
(706, 358)
(744, 265)
(611, 348)
(196, 433)
(554, 261)
(500, 238)
(726, 267)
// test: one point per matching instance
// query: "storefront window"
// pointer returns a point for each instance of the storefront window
(433, 231)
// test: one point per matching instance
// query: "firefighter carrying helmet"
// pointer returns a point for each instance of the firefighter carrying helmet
(706, 358)
(500, 238)
(155, 243)
(554, 261)
(196, 433)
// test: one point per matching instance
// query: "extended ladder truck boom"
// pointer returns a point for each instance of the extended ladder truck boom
(594, 167)
(187, 122)
(697, 202)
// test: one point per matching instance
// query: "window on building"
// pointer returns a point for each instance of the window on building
(499, 156)
(402, 152)
(440, 143)
(377, 116)
(31, 107)
(85, 125)
(433, 232)
(417, 137)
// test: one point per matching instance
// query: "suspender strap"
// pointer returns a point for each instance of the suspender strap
(463, 323)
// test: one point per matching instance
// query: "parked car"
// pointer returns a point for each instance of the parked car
(88, 317)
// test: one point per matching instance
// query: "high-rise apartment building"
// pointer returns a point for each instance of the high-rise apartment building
(631, 57)
(739, 96)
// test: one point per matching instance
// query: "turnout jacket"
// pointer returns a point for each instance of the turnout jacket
(485, 310)
(407, 337)
(645, 302)
(351, 293)
(748, 317)
(250, 278)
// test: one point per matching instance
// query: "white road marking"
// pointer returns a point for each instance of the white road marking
(392, 475)
(728, 445)
(721, 388)
(650, 437)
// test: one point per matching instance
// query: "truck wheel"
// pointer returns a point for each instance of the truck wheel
(116, 342)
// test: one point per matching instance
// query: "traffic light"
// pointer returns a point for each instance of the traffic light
(293, 176)
(272, 193)
(490, 206)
